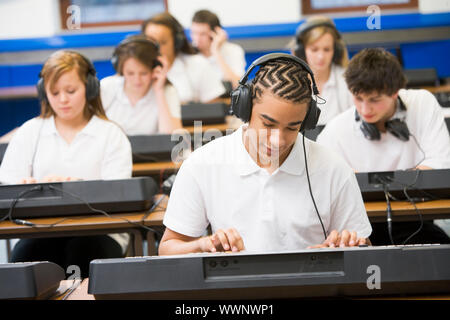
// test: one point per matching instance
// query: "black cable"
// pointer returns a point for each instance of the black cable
(9, 215)
(104, 212)
(388, 214)
(420, 217)
(421, 150)
(310, 190)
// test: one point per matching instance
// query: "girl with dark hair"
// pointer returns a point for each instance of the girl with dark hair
(139, 98)
(190, 73)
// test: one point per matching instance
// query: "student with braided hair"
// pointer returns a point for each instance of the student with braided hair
(265, 187)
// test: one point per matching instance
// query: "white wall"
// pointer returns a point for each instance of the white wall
(40, 18)
(29, 18)
(238, 12)
(433, 6)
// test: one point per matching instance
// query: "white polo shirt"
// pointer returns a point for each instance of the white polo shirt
(234, 56)
(140, 119)
(425, 121)
(194, 79)
(99, 151)
(220, 184)
(335, 92)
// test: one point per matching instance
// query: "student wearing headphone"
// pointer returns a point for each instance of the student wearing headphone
(319, 43)
(210, 39)
(269, 176)
(190, 73)
(72, 139)
(389, 128)
(139, 98)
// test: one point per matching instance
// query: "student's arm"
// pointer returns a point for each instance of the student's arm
(433, 138)
(219, 37)
(17, 161)
(167, 122)
(222, 240)
(117, 161)
(349, 223)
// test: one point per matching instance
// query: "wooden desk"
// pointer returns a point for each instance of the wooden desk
(404, 211)
(18, 92)
(443, 88)
(151, 168)
(88, 225)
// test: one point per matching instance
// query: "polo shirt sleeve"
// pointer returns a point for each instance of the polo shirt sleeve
(208, 84)
(186, 212)
(117, 162)
(235, 57)
(17, 160)
(348, 211)
(434, 137)
(108, 91)
(173, 101)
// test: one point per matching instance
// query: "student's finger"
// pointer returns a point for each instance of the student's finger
(235, 240)
(332, 239)
(362, 241)
(223, 239)
(353, 239)
(316, 246)
(345, 238)
(207, 245)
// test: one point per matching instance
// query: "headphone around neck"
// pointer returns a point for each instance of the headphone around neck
(397, 127)
(242, 101)
(299, 49)
(92, 82)
(134, 39)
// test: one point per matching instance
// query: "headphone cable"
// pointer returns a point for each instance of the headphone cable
(310, 190)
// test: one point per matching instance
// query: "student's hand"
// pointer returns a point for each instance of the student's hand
(28, 180)
(159, 75)
(219, 36)
(423, 168)
(53, 178)
(222, 240)
(343, 239)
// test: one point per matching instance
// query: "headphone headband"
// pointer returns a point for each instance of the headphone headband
(308, 25)
(274, 56)
(139, 38)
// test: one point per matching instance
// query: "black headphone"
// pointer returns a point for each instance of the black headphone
(241, 97)
(92, 82)
(397, 127)
(299, 49)
(179, 38)
(134, 39)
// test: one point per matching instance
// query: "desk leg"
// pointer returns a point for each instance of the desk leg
(151, 244)
(8, 249)
(138, 250)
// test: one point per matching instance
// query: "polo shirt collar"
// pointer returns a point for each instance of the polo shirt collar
(294, 163)
(49, 128)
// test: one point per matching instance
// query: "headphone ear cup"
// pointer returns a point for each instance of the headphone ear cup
(92, 87)
(311, 118)
(370, 131)
(179, 40)
(299, 50)
(339, 48)
(115, 61)
(241, 101)
(42, 96)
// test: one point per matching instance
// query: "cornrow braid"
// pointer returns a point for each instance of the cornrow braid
(285, 79)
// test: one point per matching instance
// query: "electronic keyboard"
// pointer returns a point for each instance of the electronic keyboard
(326, 272)
(155, 148)
(29, 280)
(73, 197)
(428, 184)
(207, 113)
